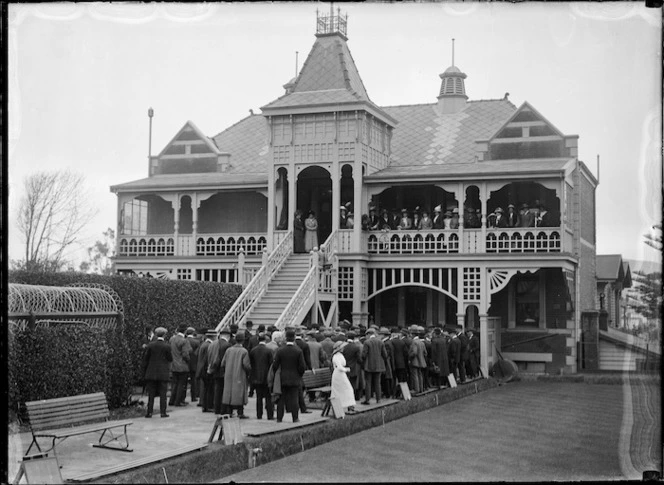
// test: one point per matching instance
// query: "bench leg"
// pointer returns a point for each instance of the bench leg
(114, 438)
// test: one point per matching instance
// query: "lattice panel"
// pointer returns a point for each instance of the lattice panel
(345, 283)
(184, 274)
(471, 284)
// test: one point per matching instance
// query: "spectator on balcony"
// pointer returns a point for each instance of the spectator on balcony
(536, 216)
(471, 221)
(343, 215)
(512, 218)
(527, 217)
(298, 233)
(491, 220)
(405, 223)
(374, 220)
(546, 220)
(416, 218)
(501, 220)
(438, 218)
(384, 221)
(350, 221)
(365, 222)
(447, 220)
(454, 223)
(311, 234)
(394, 220)
(425, 223)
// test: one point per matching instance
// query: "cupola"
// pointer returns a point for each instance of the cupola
(452, 97)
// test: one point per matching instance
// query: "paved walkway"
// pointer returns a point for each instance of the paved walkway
(523, 431)
(186, 426)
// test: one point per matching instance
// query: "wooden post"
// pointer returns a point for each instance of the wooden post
(240, 267)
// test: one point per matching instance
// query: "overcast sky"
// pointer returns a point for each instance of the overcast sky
(82, 77)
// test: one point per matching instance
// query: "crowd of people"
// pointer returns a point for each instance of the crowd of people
(223, 370)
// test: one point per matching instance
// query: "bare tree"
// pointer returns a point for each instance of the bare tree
(51, 215)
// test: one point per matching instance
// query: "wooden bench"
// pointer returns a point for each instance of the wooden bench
(60, 418)
(319, 380)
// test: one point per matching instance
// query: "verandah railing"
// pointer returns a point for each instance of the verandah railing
(258, 285)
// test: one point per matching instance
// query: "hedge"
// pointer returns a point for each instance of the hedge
(147, 302)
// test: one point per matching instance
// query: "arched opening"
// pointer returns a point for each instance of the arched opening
(413, 198)
(541, 201)
(147, 214)
(413, 304)
(472, 208)
(314, 192)
(281, 200)
(347, 194)
(186, 215)
(472, 317)
(230, 212)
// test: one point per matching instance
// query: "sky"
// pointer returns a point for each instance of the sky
(82, 77)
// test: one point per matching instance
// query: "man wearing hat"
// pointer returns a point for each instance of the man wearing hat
(236, 367)
(387, 378)
(417, 360)
(491, 220)
(216, 353)
(470, 220)
(454, 223)
(327, 344)
(512, 218)
(374, 220)
(156, 368)
(206, 381)
(261, 359)
(373, 359)
(525, 216)
(384, 222)
(546, 220)
(437, 221)
(405, 223)
(501, 220)
(307, 363)
(180, 349)
(195, 344)
(353, 356)
(439, 359)
(290, 359)
(474, 351)
(400, 358)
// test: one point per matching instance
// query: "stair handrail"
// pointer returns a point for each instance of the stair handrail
(298, 300)
(258, 284)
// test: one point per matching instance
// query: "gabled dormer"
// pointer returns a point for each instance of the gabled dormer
(527, 134)
(190, 151)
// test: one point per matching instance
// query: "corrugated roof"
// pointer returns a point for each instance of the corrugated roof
(491, 167)
(198, 180)
(608, 266)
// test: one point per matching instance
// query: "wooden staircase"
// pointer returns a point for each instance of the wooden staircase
(280, 290)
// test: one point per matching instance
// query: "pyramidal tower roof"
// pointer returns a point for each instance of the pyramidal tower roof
(329, 75)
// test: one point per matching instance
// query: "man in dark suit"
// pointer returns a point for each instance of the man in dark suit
(180, 349)
(156, 368)
(453, 354)
(206, 380)
(400, 356)
(374, 356)
(352, 354)
(193, 362)
(261, 358)
(306, 352)
(215, 355)
(464, 355)
(290, 359)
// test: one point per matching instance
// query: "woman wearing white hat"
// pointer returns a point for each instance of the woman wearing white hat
(342, 389)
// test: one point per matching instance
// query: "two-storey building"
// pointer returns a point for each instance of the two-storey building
(222, 208)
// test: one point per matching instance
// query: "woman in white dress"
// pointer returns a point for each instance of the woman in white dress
(311, 233)
(342, 389)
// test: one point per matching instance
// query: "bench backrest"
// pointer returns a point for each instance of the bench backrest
(317, 377)
(66, 411)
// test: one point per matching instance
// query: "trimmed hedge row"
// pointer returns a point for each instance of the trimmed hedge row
(148, 303)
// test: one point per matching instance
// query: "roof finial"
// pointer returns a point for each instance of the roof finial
(452, 50)
(296, 53)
